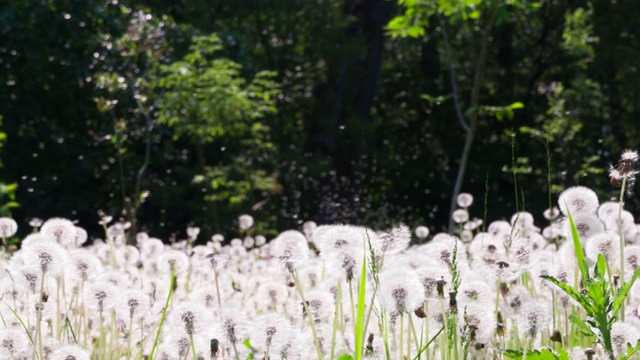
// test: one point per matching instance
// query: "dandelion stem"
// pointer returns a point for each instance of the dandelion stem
(164, 314)
(312, 324)
(621, 235)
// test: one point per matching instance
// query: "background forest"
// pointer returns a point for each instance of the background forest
(173, 113)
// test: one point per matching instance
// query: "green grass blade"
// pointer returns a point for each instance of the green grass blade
(424, 348)
(582, 263)
(360, 318)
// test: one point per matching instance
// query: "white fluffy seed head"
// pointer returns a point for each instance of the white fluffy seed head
(551, 213)
(271, 331)
(629, 155)
(245, 222)
(70, 352)
(422, 232)
(460, 216)
(190, 318)
(13, 340)
(62, 230)
(82, 265)
(587, 225)
(625, 221)
(499, 227)
(534, 317)
(173, 260)
(607, 244)
(607, 209)
(8, 227)
(48, 256)
(401, 290)
(464, 200)
(623, 333)
(290, 249)
(480, 321)
(578, 200)
(100, 296)
(396, 240)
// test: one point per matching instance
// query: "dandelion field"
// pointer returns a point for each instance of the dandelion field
(504, 289)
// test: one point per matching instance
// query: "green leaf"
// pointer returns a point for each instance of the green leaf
(618, 300)
(415, 31)
(12, 204)
(547, 354)
(345, 357)
(544, 354)
(516, 105)
(601, 267)
(563, 354)
(582, 326)
(571, 291)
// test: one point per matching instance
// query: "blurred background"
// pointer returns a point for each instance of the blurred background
(171, 113)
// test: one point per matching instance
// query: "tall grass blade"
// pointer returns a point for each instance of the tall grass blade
(360, 318)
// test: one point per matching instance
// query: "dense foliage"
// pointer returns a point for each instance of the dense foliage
(370, 112)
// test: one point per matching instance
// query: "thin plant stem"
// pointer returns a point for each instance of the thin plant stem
(164, 314)
(312, 324)
(621, 235)
(193, 346)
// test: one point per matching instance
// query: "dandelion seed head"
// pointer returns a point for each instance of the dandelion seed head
(464, 200)
(586, 224)
(49, 256)
(396, 240)
(81, 236)
(70, 352)
(629, 155)
(551, 213)
(8, 227)
(271, 330)
(484, 322)
(422, 232)
(499, 227)
(534, 317)
(13, 339)
(173, 260)
(62, 230)
(624, 221)
(607, 244)
(290, 248)
(400, 290)
(623, 333)
(474, 291)
(232, 324)
(245, 222)
(578, 200)
(460, 216)
(100, 296)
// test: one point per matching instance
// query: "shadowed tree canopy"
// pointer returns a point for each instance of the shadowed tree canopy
(175, 113)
